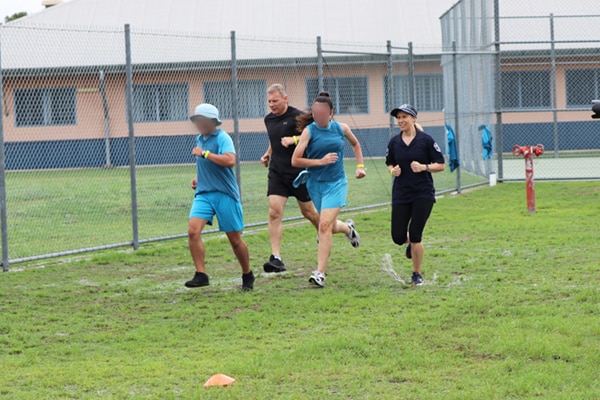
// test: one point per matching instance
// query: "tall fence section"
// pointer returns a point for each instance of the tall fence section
(96, 140)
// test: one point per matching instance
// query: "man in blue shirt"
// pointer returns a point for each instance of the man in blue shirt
(216, 193)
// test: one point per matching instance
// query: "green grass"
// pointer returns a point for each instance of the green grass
(509, 310)
(52, 211)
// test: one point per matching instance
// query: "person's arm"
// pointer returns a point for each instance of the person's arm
(432, 167)
(266, 158)
(360, 167)
(436, 158)
(226, 160)
(298, 159)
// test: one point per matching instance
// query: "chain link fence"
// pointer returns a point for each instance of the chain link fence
(98, 141)
(549, 78)
(530, 80)
(96, 138)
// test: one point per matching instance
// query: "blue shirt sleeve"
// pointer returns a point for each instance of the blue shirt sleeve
(225, 143)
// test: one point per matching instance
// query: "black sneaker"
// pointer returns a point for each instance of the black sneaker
(248, 281)
(416, 280)
(274, 265)
(200, 279)
(409, 251)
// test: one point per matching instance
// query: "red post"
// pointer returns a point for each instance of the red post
(528, 152)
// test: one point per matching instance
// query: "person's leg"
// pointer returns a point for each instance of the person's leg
(328, 224)
(334, 199)
(421, 210)
(276, 207)
(231, 221)
(195, 227)
(400, 219)
(308, 210)
(240, 250)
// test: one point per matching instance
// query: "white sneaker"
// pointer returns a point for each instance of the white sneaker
(317, 278)
(353, 236)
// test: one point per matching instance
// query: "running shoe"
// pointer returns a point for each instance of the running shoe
(274, 265)
(317, 278)
(248, 281)
(353, 236)
(199, 279)
(416, 280)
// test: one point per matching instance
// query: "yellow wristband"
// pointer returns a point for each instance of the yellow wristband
(392, 171)
(206, 153)
(295, 140)
(360, 165)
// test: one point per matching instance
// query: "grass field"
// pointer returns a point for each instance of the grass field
(509, 311)
(53, 211)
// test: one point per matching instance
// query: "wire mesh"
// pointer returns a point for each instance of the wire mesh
(66, 131)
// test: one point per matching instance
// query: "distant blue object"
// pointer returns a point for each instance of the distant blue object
(486, 141)
(452, 148)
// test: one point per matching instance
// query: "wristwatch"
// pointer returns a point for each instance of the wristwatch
(427, 168)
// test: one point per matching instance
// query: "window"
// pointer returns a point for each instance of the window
(583, 86)
(160, 102)
(252, 98)
(429, 92)
(350, 95)
(526, 89)
(45, 106)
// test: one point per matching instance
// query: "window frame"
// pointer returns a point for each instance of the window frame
(46, 113)
(158, 112)
(309, 85)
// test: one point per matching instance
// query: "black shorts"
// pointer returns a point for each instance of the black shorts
(284, 187)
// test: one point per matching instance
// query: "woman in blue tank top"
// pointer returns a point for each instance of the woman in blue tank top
(321, 151)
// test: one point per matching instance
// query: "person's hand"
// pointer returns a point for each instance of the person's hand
(396, 171)
(197, 151)
(360, 173)
(287, 141)
(418, 167)
(265, 159)
(330, 158)
(194, 183)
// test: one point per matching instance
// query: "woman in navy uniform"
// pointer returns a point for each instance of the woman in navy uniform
(412, 156)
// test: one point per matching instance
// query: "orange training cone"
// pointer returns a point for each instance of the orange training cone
(219, 380)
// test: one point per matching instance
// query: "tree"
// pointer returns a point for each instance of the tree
(15, 16)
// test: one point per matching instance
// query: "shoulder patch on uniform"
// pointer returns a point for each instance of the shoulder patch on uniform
(436, 147)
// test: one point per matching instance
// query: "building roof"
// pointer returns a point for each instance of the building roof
(90, 32)
(351, 21)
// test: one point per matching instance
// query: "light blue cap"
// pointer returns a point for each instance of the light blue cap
(207, 111)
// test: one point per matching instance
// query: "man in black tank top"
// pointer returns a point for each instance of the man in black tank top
(281, 128)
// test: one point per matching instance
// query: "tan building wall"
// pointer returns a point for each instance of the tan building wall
(90, 115)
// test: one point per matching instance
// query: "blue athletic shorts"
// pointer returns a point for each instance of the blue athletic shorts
(227, 209)
(328, 194)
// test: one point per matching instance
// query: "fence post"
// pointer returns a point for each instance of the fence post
(553, 86)
(235, 111)
(411, 75)
(390, 86)
(3, 223)
(456, 117)
(319, 65)
(106, 119)
(129, 105)
(498, 90)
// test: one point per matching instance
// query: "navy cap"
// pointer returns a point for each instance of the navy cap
(407, 108)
